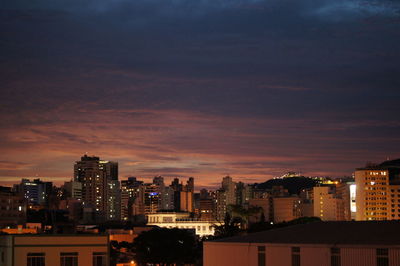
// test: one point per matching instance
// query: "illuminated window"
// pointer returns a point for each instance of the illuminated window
(335, 256)
(99, 259)
(382, 257)
(295, 256)
(261, 255)
(36, 259)
(69, 259)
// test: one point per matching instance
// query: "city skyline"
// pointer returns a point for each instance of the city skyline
(180, 88)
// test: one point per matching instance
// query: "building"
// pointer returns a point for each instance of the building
(332, 203)
(266, 209)
(73, 189)
(181, 220)
(313, 244)
(130, 191)
(285, 209)
(12, 208)
(186, 203)
(378, 191)
(152, 198)
(41, 250)
(100, 186)
(35, 192)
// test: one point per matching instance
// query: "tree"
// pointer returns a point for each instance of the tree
(166, 247)
(229, 228)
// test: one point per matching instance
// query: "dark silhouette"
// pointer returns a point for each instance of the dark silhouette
(167, 246)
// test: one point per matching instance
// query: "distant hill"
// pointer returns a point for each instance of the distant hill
(293, 184)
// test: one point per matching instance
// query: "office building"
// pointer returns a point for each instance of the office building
(35, 192)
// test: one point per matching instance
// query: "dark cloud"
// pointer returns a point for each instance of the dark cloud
(209, 87)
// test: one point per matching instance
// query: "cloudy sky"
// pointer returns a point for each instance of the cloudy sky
(250, 88)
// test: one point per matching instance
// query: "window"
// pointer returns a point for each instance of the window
(99, 259)
(382, 257)
(335, 256)
(35, 259)
(261, 255)
(69, 259)
(295, 256)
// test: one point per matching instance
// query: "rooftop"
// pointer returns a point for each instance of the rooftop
(364, 233)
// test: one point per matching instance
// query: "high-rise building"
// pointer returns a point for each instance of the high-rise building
(229, 187)
(332, 203)
(151, 199)
(73, 190)
(378, 191)
(36, 192)
(183, 195)
(130, 191)
(100, 186)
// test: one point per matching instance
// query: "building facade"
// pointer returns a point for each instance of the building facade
(100, 186)
(315, 244)
(54, 250)
(378, 191)
(181, 220)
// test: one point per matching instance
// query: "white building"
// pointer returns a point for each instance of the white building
(181, 220)
(313, 244)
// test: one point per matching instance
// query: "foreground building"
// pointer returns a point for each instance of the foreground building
(313, 244)
(53, 250)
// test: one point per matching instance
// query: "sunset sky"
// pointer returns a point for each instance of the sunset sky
(202, 88)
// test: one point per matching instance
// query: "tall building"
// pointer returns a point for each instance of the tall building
(73, 190)
(229, 187)
(378, 191)
(12, 207)
(332, 203)
(100, 186)
(35, 192)
(183, 195)
(151, 198)
(130, 191)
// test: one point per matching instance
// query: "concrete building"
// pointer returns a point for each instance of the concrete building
(35, 192)
(332, 203)
(73, 190)
(181, 220)
(378, 191)
(186, 204)
(12, 208)
(54, 250)
(285, 209)
(130, 191)
(313, 244)
(100, 186)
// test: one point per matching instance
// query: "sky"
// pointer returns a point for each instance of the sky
(206, 88)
